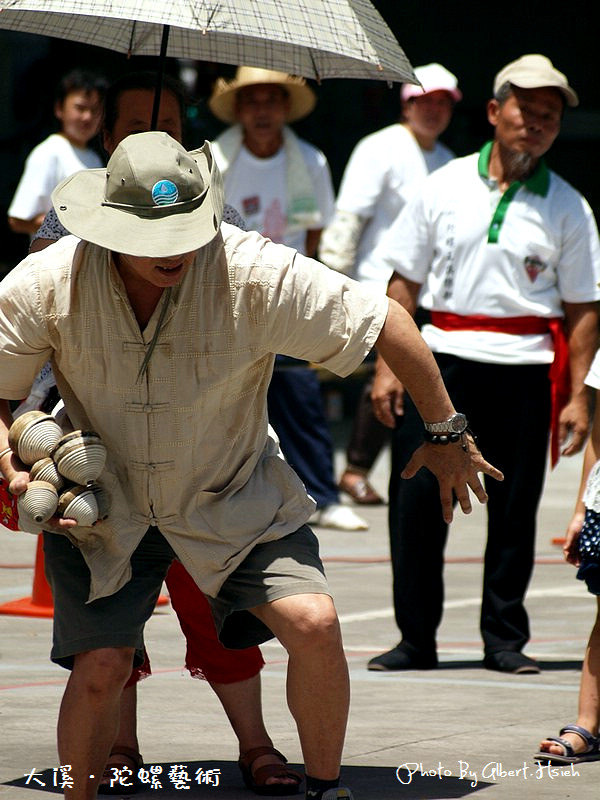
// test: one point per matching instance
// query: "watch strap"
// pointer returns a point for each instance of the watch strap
(457, 423)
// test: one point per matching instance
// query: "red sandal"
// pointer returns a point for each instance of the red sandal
(257, 780)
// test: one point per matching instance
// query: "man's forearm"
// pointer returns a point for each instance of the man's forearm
(25, 225)
(403, 349)
(313, 237)
(404, 292)
(6, 419)
(582, 336)
(387, 392)
(581, 324)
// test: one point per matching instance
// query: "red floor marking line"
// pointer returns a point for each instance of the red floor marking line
(479, 560)
(162, 671)
(357, 559)
(372, 560)
(30, 685)
(448, 560)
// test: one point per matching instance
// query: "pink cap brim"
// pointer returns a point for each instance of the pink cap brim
(412, 90)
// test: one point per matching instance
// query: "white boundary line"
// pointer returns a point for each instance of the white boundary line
(382, 613)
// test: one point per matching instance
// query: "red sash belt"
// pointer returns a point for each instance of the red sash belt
(560, 377)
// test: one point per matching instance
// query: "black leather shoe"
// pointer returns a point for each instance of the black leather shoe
(511, 661)
(403, 656)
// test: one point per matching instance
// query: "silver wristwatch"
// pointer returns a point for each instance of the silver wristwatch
(457, 423)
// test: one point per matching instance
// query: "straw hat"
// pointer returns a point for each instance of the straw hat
(222, 101)
(153, 199)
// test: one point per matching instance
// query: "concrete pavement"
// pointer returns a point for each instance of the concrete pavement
(453, 731)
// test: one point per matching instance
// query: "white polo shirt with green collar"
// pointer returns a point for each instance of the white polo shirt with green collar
(478, 251)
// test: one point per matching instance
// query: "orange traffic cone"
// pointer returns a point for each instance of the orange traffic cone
(40, 603)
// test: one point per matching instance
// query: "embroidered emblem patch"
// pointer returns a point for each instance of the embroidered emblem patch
(533, 266)
(164, 193)
(251, 205)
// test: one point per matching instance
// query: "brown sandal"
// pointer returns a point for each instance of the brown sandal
(359, 489)
(130, 755)
(257, 780)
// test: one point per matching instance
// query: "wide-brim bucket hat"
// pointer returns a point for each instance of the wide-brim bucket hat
(302, 99)
(154, 198)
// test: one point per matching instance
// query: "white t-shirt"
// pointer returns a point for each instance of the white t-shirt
(383, 172)
(257, 188)
(47, 165)
(546, 252)
(593, 377)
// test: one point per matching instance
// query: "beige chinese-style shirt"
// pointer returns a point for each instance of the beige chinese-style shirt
(189, 447)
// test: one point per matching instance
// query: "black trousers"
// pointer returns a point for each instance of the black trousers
(508, 407)
(368, 436)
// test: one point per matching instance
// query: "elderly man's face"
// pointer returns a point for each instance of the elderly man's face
(529, 121)
(145, 271)
(262, 111)
(134, 114)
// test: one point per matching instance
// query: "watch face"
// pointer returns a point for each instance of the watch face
(458, 423)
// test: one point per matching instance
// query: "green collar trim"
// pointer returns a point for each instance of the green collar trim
(538, 183)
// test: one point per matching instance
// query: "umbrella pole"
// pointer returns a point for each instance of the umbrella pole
(159, 76)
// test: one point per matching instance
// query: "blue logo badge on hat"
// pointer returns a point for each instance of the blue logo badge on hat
(164, 192)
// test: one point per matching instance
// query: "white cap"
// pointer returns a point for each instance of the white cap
(433, 78)
(535, 71)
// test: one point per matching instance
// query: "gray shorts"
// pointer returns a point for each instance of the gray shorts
(272, 570)
(114, 621)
